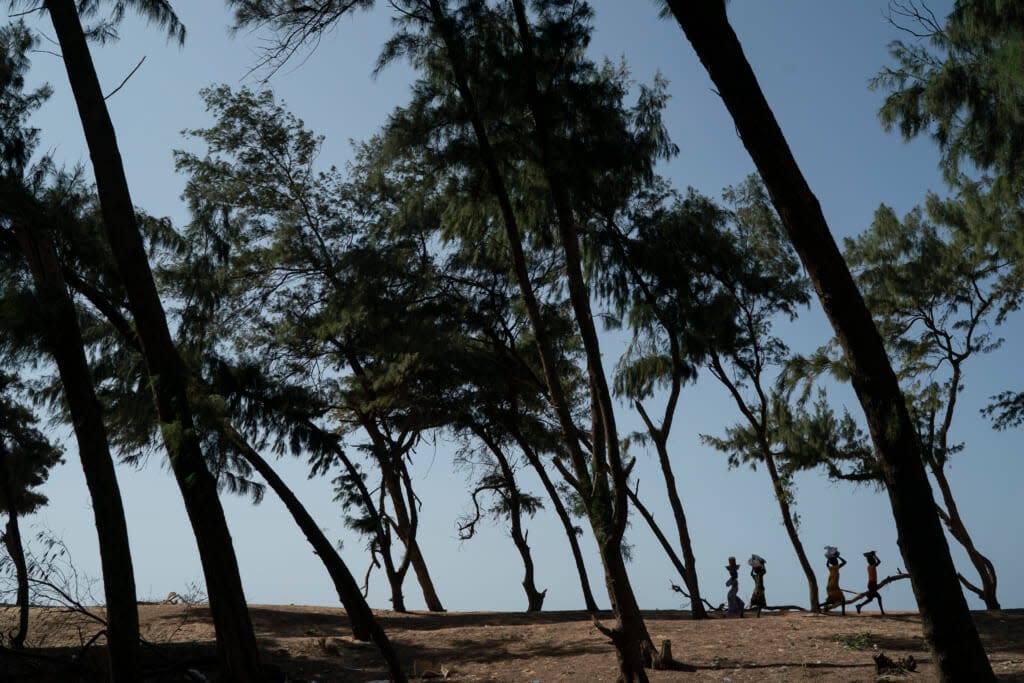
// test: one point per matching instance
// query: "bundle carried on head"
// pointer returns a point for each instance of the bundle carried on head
(756, 561)
(831, 552)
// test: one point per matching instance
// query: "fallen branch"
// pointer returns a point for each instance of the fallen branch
(677, 589)
(783, 608)
(881, 584)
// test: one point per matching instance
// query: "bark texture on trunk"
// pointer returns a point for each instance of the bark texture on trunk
(236, 642)
(364, 624)
(948, 626)
(64, 338)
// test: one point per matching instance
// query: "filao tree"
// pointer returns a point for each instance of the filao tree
(937, 294)
(39, 315)
(310, 287)
(26, 457)
(952, 636)
(510, 105)
(167, 373)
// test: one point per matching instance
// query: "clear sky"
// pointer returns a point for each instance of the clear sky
(814, 59)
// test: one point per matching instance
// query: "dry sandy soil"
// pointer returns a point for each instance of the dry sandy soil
(311, 644)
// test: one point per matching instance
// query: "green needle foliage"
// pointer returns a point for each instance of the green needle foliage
(961, 81)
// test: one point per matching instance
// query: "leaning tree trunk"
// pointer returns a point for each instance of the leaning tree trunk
(563, 516)
(15, 548)
(364, 624)
(609, 509)
(655, 528)
(63, 337)
(236, 642)
(958, 530)
(782, 496)
(952, 635)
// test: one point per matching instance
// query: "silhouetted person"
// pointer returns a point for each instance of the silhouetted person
(872, 593)
(833, 593)
(757, 572)
(734, 601)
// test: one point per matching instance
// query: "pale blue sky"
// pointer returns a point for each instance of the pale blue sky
(814, 59)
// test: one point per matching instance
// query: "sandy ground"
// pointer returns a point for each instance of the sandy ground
(313, 644)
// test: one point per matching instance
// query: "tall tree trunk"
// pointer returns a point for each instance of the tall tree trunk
(364, 624)
(563, 517)
(534, 598)
(609, 511)
(630, 637)
(64, 339)
(782, 496)
(236, 642)
(958, 530)
(16, 549)
(956, 647)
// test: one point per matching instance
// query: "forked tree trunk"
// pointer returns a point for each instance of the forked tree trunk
(958, 530)
(236, 642)
(956, 647)
(64, 340)
(364, 624)
(406, 527)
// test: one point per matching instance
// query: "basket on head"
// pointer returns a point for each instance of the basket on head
(831, 552)
(756, 561)
(732, 564)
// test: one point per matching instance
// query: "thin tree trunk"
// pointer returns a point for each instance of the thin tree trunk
(697, 610)
(666, 545)
(563, 516)
(236, 642)
(64, 338)
(781, 496)
(952, 635)
(364, 624)
(689, 573)
(958, 530)
(534, 598)
(16, 550)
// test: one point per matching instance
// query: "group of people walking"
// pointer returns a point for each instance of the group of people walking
(833, 593)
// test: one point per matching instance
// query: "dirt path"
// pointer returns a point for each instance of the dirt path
(311, 643)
